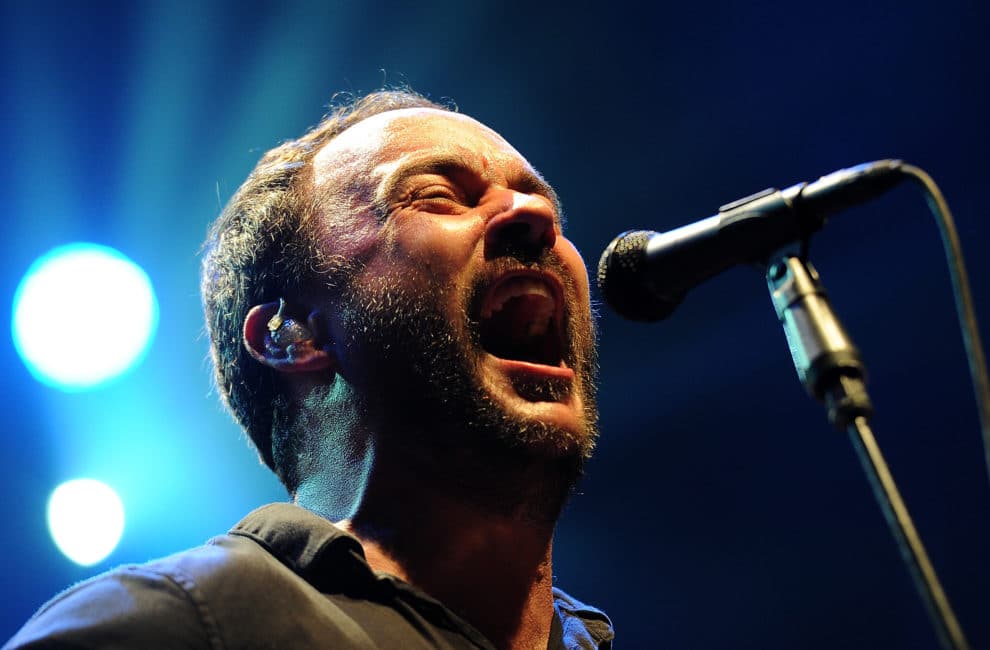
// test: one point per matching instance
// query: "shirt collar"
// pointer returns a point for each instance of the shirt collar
(584, 626)
(333, 560)
(313, 547)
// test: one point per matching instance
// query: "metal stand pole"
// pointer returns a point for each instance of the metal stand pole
(912, 550)
(830, 368)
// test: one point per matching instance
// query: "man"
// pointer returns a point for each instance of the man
(403, 331)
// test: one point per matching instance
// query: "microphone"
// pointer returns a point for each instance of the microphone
(644, 275)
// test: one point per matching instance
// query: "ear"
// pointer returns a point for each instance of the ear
(286, 344)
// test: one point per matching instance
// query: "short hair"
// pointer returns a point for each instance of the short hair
(263, 246)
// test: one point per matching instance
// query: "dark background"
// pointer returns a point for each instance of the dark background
(721, 509)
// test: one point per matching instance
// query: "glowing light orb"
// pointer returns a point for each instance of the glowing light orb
(86, 520)
(83, 315)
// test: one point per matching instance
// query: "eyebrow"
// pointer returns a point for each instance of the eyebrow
(527, 181)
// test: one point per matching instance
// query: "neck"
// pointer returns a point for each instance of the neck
(476, 541)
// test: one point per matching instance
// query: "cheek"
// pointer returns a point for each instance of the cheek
(570, 256)
(440, 245)
(351, 235)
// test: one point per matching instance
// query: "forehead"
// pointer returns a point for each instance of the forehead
(378, 145)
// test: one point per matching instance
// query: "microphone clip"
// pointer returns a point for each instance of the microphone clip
(827, 362)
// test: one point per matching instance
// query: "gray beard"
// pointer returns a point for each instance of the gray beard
(420, 391)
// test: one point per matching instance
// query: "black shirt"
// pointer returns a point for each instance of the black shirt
(282, 578)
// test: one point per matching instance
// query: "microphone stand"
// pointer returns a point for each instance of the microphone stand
(830, 368)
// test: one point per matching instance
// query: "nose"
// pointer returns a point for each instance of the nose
(525, 227)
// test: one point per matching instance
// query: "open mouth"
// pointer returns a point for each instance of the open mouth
(520, 319)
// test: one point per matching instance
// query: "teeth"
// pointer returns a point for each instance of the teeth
(523, 286)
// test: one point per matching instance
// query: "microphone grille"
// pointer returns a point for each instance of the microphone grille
(624, 280)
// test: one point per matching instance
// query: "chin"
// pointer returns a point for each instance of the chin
(545, 409)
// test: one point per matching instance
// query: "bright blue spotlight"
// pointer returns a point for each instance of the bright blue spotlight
(83, 314)
(86, 520)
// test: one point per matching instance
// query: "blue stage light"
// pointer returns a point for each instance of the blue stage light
(86, 520)
(83, 315)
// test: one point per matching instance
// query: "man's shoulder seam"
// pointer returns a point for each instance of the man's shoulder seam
(187, 585)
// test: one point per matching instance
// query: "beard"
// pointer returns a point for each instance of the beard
(419, 385)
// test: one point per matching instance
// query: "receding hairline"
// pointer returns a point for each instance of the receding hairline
(358, 136)
(369, 135)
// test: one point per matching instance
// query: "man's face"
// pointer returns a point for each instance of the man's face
(467, 317)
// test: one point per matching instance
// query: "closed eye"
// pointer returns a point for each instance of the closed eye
(435, 192)
(439, 198)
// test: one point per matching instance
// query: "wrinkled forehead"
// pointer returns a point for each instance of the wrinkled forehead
(376, 146)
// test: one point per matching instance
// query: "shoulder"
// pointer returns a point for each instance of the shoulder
(169, 602)
(132, 606)
(217, 595)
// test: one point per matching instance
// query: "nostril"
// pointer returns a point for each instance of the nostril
(518, 232)
(525, 232)
(518, 238)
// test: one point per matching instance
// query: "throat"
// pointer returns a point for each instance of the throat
(445, 519)
(474, 531)
(495, 574)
